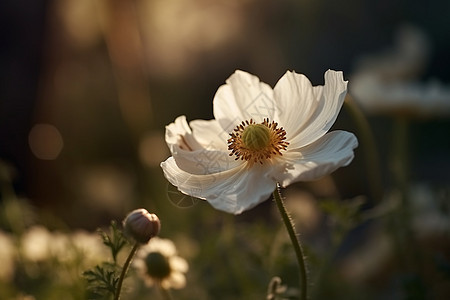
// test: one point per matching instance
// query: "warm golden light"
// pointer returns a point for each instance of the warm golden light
(178, 33)
(153, 149)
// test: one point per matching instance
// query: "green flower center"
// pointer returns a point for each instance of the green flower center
(157, 265)
(257, 142)
(256, 137)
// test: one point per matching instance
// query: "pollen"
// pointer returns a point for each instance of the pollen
(257, 142)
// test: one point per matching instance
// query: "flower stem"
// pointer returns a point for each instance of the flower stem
(124, 271)
(295, 241)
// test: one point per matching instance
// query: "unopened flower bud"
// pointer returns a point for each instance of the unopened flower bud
(141, 225)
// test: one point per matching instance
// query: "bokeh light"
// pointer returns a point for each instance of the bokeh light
(152, 149)
(45, 141)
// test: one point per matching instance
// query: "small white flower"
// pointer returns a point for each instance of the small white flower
(89, 247)
(36, 243)
(39, 244)
(386, 82)
(378, 96)
(260, 136)
(157, 262)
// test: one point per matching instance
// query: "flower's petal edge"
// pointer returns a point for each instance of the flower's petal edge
(243, 97)
(332, 151)
(193, 155)
(314, 109)
(232, 191)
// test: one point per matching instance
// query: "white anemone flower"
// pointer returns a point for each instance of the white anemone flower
(158, 262)
(260, 137)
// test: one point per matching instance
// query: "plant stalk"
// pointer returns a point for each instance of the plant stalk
(295, 242)
(125, 270)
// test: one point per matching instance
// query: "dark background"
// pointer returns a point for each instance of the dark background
(307, 36)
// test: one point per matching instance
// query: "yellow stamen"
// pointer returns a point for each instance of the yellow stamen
(257, 142)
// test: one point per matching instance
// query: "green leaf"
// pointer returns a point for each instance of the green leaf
(115, 241)
(102, 281)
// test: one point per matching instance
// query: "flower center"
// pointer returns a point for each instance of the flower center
(256, 136)
(158, 266)
(257, 142)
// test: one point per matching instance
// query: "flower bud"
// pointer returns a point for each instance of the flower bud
(141, 225)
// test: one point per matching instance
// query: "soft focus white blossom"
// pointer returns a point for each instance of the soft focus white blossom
(401, 98)
(168, 268)
(35, 243)
(39, 244)
(89, 247)
(260, 136)
(386, 83)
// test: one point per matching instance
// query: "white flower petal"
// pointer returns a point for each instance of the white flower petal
(320, 158)
(243, 97)
(202, 162)
(178, 264)
(176, 280)
(232, 191)
(210, 134)
(156, 244)
(190, 154)
(179, 133)
(296, 101)
(308, 112)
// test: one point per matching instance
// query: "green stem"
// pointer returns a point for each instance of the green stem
(295, 241)
(369, 146)
(124, 271)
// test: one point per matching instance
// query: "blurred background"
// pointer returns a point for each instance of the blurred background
(87, 87)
